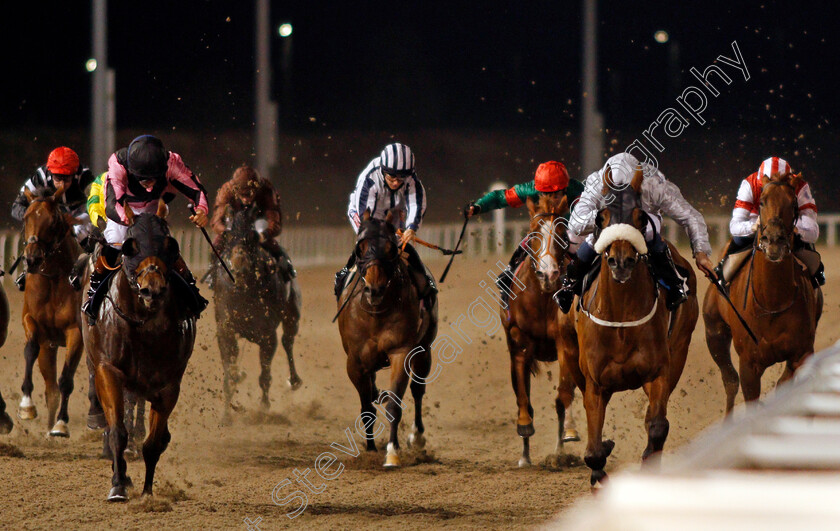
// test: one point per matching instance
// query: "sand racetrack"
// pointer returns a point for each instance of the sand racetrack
(215, 477)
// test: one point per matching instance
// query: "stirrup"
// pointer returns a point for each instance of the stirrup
(20, 281)
(340, 277)
(676, 296)
(565, 296)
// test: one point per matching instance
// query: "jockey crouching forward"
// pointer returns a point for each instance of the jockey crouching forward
(139, 176)
(62, 170)
(744, 223)
(658, 196)
(247, 190)
(389, 181)
(551, 178)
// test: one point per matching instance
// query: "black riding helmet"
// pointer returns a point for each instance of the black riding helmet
(147, 158)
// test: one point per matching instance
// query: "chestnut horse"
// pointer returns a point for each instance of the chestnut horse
(530, 319)
(253, 307)
(773, 293)
(383, 324)
(6, 423)
(50, 306)
(141, 342)
(618, 336)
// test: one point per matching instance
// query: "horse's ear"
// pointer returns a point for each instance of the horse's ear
(638, 177)
(795, 180)
(129, 215)
(639, 219)
(171, 247)
(58, 193)
(389, 216)
(71, 220)
(608, 182)
(562, 206)
(130, 248)
(532, 206)
(764, 180)
(602, 220)
(162, 209)
(366, 215)
(30, 196)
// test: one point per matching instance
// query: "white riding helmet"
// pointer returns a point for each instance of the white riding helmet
(397, 159)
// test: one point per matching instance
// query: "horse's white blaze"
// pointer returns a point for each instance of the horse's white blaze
(547, 264)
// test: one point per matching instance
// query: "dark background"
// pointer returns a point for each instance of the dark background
(481, 90)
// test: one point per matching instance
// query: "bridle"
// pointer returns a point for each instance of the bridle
(551, 240)
(57, 220)
(389, 262)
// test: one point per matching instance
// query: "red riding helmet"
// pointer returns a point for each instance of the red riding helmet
(551, 176)
(63, 161)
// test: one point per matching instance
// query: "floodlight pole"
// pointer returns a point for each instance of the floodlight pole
(593, 122)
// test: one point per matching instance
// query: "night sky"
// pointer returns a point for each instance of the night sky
(402, 65)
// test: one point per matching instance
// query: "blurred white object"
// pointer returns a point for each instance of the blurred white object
(260, 225)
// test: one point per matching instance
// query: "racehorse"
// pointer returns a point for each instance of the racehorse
(529, 318)
(6, 423)
(773, 293)
(253, 307)
(626, 337)
(50, 306)
(142, 341)
(383, 324)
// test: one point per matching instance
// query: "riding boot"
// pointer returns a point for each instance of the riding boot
(818, 279)
(341, 276)
(20, 281)
(101, 271)
(198, 303)
(505, 278)
(75, 276)
(284, 262)
(571, 284)
(733, 247)
(666, 270)
(423, 281)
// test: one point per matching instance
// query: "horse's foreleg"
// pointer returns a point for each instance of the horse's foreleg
(595, 401)
(159, 435)
(140, 422)
(656, 420)
(566, 431)
(6, 423)
(399, 382)
(96, 417)
(130, 401)
(111, 396)
(719, 339)
(363, 382)
(47, 365)
(229, 351)
(290, 330)
(520, 376)
(750, 378)
(75, 346)
(27, 409)
(421, 365)
(268, 346)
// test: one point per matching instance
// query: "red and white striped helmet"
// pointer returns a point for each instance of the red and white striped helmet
(774, 165)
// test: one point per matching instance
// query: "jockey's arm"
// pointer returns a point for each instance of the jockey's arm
(223, 198)
(667, 196)
(186, 182)
(742, 224)
(270, 205)
(806, 225)
(585, 210)
(96, 201)
(514, 196)
(416, 199)
(20, 204)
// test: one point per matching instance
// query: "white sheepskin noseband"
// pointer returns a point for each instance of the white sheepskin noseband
(621, 231)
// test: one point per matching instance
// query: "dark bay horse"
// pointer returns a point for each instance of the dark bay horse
(530, 319)
(773, 293)
(6, 423)
(624, 340)
(50, 306)
(253, 307)
(382, 324)
(141, 342)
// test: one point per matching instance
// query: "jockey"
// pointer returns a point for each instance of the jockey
(551, 178)
(744, 222)
(248, 190)
(61, 170)
(389, 181)
(658, 196)
(98, 221)
(138, 176)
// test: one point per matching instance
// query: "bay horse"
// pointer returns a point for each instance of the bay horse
(141, 342)
(620, 336)
(50, 306)
(383, 324)
(253, 307)
(774, 295)
(6, 423)
(529, 318)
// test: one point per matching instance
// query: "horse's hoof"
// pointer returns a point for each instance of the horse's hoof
(6, 423)
(524, 462)
(117, 494)
(27, 412)
(570, 435)
(525, 431)
(416, 440)
(60, 430)
(597, 479)
(294, 382)
(265, 404)
(97, 421)
(392, 459)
